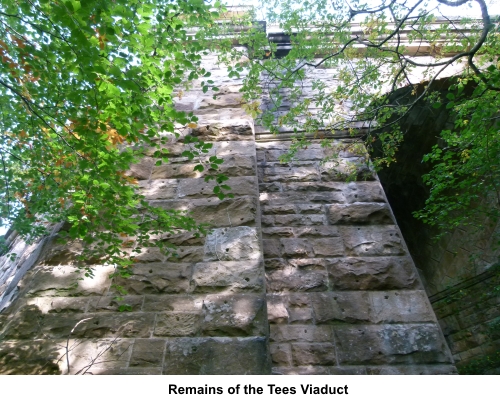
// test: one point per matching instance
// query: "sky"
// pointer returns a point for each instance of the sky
(472, 11)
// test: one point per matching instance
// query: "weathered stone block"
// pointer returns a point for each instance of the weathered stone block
(359, 213)
(300, 333)
(364, 192)
(113, 304)
(177, 324)
(272, 248)
(235, 315)
(141, 170)
(277, 232)
(148, 353)
(187, 254)
(432, 369)
(174, 303)
(276, 309)
(298, 172)
(328, 247)
(307, 275)
(229, 276)
(102, 356)
(310, 208)
(174, 171)
(320, 354)
(218, 356)
(31, 357)
(97, 325)
(64, 280)
(312, 153)
(371, 273)
(351, 307)
(401, 306)
(294, 247)
(337, 187)
(281, 354)
(229, 212)
(317, 231)
(58, 304)
(199, 188)
(298, 197)
(158, 189)
(390, 344)
(238, 243)
(156, 278)
(279, 209)
(293, 220)
(269, 187)
(237, 130)
(372, 240)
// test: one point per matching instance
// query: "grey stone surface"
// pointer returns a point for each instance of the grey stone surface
(220, 355)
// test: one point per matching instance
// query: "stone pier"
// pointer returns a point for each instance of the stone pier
(302, 273)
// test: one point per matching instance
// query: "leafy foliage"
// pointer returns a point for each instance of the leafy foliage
(374, 51)
(82, 83)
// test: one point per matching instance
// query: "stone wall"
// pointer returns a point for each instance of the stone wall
(342, 292)
(302, 273)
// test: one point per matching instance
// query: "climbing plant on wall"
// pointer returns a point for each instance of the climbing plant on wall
(82, 84)
(375, 49)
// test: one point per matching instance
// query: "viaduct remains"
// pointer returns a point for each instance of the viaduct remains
(303, 272)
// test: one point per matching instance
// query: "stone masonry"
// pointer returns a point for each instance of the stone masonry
(302, 273)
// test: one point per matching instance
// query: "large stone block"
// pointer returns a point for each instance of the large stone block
(335, 188)
(316, 354)
(303, 171)
(383, 240)
(130, 303)
(97, 356)
(141, 170)
(31, 357)
(272, 248)
(238, 243)
(234, 315)
(199, 188)
(172, 303)
(228, 276)
(229, 212)
(277, 309)
(390, 344)
(351, 307)
(298, 275)
(361, 191)
(359, 213)
(32, 324)
(187, 254)
(238, 130)
(293, 220)
(158, 189)
(67, 281)
(432, 369)
(328, 247)
(371, 273)
(299, 197)
(177, 324)
(220, 355)
(281, 354)
(174, 171)
(156, 278)
(401, 306)
(295, 247)
(301, 333)
(148, 353)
